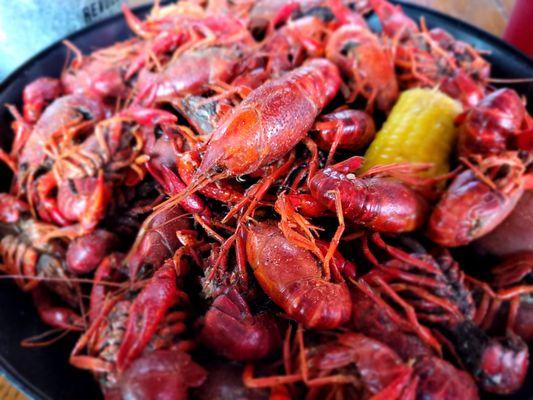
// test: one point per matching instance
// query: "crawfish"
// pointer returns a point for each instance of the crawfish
(31, 261)
(29, 258)
(345, 129)
(477, 200)
(367, 63)
(433, 286)
(293, 279)
(230, 328)
(234, 332)
(86, 252)
(160, 236)
(181, 76)
(344, 364)
(262, 129)
(177, 27)
(429, 58)
(492, 125)
(377, 202)
(80, 172)
(102, 74)
(437, 378)
(71, 112)
(37, 95)
(508, 297)
(134, 336)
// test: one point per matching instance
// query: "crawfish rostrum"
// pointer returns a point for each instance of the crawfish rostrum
(196, 205)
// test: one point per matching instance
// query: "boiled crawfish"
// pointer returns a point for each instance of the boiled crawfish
(433, 57)
(478, 199)
(442, 300)
(136, 334)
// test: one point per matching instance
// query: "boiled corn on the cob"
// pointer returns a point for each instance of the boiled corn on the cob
(419, 129)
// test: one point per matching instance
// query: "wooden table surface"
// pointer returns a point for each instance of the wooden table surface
(491, 15)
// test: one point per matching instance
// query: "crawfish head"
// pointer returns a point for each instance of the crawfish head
(371, 364)
(477, 200)
(488, 127)
(500, 365)
(157, 239)
(438, 379)
(233, 331)
(161, 374)
(103, 73)
(366, 62)
(37, 95)
(11, 208)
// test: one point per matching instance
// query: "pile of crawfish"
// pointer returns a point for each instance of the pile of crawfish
(190, 203)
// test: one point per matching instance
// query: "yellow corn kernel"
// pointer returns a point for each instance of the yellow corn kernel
(419, 129)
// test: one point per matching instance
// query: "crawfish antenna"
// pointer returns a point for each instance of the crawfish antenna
(78, 56)
(195, 185)
(134, 23)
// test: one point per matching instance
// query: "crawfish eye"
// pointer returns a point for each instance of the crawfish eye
(502, 172)
(158, 132)
(86, 115)
(258, 34)
(72, 187)
(348, 46)
(323, 13)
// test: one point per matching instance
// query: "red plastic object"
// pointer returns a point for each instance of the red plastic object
(519, 31)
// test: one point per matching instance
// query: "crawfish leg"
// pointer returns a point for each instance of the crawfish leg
(269, 381)
(336, 237)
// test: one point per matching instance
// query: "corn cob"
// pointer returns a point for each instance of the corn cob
(419, 129)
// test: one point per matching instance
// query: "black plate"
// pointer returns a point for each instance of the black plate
(44, 373)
